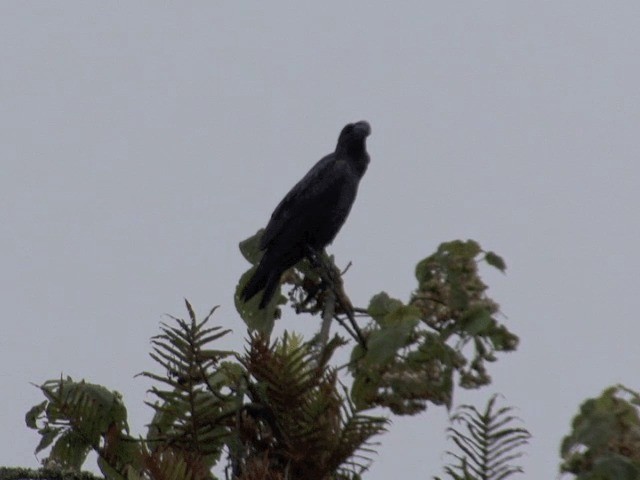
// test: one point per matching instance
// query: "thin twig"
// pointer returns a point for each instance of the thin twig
(331, 276)
(335, 282)
(346, 269)
(348, 310)
(345, 326)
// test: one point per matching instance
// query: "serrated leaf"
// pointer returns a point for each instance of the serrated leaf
(495, 261)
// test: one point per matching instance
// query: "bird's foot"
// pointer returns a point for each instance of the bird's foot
(314, 256)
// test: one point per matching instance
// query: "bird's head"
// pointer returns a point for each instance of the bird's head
(353, 135)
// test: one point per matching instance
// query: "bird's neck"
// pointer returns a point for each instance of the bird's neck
(358, 161)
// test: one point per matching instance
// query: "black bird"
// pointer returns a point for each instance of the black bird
(311, 214)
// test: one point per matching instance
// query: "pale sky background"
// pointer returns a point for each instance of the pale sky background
(141, 141)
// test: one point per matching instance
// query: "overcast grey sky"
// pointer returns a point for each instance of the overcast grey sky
(141, 141)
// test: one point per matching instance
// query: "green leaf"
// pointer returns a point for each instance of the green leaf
(459, 297)
(108, 471)
(468, 249)
(228, 373)
(384, 344)
(49, 434)
(423, 271)
(250, 247)
(495, 261)
(397, 323)
(363, 391)
(478, 321)
(32, 415)
(381, 304)
(616, 467)
(257, 319)
(406, 316)
(604, 437)
(70, 450)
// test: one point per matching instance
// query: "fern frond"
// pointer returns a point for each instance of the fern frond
(78, 417)
(192, 413)
(487, 442)
(296, 408)
(173, 464)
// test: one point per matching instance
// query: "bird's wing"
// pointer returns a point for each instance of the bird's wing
(317, 189)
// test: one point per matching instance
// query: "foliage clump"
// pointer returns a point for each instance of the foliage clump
(604, 443)
(267, 409)
(280, 410)
(448, 327)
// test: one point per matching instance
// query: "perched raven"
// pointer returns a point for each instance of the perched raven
(311, 214)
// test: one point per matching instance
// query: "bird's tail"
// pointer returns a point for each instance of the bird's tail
(273, 280)
(266, 277)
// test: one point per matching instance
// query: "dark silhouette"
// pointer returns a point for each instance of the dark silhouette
(311, 214)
